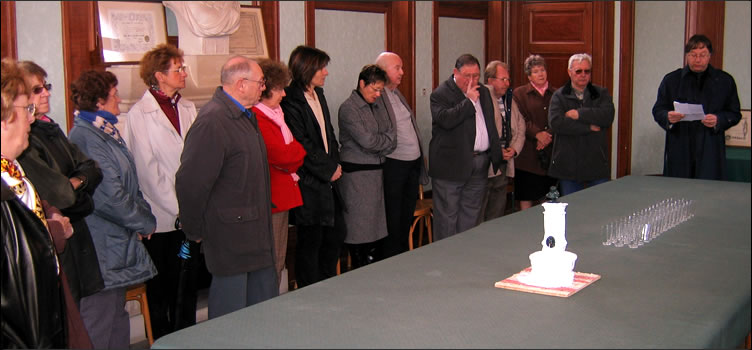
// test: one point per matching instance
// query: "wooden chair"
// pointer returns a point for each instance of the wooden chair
(422, 214)
(137, 292)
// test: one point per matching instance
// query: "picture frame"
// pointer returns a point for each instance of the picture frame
(250, 39)
(739, 134)
(128, 29)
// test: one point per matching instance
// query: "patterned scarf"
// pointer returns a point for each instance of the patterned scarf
(16, 179)
(103, 120)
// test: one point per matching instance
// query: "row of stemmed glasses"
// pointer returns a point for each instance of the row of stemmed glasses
(646, 224)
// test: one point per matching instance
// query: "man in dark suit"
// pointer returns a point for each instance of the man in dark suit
(223, 192)
(405, 167)
(464, 141)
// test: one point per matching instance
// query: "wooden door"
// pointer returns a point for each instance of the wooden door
(557, 30)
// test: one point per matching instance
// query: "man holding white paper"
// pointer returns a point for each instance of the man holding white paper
(696, 148)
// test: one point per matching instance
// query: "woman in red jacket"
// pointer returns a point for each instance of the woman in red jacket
(285, 156)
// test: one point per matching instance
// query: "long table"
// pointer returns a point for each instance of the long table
(688, 288)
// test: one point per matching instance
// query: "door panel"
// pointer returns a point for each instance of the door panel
(555, 31)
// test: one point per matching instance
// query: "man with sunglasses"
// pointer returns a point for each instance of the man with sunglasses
(579, 116)
(697, 149)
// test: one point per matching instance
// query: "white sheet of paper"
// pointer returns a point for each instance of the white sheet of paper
(691, 111)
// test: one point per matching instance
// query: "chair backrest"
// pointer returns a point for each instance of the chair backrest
(420, 191)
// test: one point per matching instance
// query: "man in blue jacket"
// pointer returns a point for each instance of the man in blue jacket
(697, 149)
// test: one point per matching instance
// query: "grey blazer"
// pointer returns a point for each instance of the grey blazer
(366, 134)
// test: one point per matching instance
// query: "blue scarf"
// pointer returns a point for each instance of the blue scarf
(92, 116)
(103, 120)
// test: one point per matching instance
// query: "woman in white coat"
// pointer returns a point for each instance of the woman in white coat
(156, 128)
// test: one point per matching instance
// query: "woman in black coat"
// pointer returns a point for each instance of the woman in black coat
(319, 219)
(66, 178)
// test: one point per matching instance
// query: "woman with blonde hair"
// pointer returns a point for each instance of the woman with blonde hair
(33, 313)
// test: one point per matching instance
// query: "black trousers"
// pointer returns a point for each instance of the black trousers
(317, 250)
(162, 290)
(400, 195)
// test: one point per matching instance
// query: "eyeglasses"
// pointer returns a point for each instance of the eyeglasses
(580, 71)
(261, 82)
(470, 76)
(31, 108)
(375, 89)
(38, 89)
(181, 69)
(694, 56)
(502, 79)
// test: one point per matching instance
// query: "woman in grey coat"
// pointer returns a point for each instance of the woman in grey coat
(121, 216)
(366, 135)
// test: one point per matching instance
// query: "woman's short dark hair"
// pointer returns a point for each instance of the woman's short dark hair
(698, 41)
(158, 59)
(304, 62)
(532, 61)
(276, 74)
(370, 74)
(90, 87)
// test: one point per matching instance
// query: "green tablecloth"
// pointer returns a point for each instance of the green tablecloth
(688, 288)
(738, 164)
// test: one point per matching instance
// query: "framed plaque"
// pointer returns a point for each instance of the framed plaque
(739, 134)
(249, 40)
(130, 29)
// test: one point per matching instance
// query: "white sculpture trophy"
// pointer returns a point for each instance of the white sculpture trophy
(552, 266)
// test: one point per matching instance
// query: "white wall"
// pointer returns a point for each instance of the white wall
(659, 49)
(352, 40)
(291, 27)
(736, 48)
(459, 36)
(424, 71)
(615, 91)
(40, 39)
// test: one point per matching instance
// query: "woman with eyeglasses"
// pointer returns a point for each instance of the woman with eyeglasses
(319, 220)
(367, 136)
(33, 310)
(531, 182)
(285, 156)
(66, 178)
(155, 130)
(121, 216)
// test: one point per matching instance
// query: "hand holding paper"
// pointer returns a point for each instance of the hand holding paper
(691, 111)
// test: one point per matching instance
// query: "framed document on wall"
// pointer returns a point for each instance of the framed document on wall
(249, 40)
(130, 29)
(739, 134)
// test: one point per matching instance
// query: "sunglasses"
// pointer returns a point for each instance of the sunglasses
(38, 89)
(579, 71)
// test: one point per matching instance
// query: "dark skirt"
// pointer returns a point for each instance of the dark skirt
(531, 187)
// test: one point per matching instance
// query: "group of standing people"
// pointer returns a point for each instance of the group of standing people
(485, 135)
(545, 137)
(114, 205)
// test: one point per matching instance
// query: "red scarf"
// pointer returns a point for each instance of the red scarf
(169, 106)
